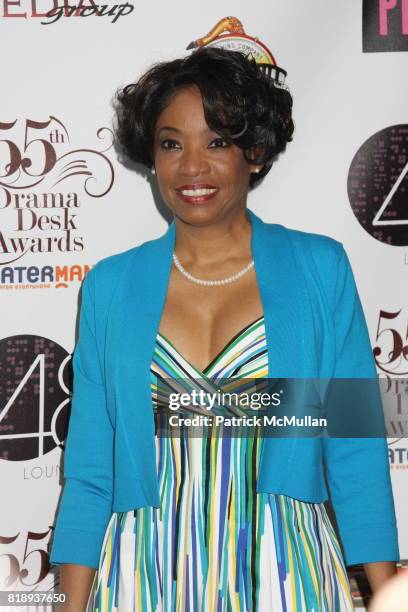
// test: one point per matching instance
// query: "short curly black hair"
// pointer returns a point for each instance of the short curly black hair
(236, 94)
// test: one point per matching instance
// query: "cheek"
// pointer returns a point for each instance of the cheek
(239, 164)
(165, 171)
(237, 174)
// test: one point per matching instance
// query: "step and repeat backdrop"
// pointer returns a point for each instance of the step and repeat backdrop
(68, 199)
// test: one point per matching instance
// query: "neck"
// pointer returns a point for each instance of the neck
(207, 245)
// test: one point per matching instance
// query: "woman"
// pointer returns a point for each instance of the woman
(192, 523)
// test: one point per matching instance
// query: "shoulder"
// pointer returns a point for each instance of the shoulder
(318, 246)
(111, 266)
(322, 259)
(103, 281)
(108, 271)
(105, 274)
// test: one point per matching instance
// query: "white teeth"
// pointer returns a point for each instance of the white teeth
(197, 192)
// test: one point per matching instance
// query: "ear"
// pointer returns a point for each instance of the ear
(254, 152)
(256, 169)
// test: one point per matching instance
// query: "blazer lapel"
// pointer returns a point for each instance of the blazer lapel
(139, 302)
(280, 289)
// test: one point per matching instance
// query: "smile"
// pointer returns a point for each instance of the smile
(196, 196)
(197, 192)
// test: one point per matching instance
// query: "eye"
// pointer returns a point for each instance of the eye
(218, 140)
(167, 140)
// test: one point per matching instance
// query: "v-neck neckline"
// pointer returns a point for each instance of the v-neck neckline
(204, 372)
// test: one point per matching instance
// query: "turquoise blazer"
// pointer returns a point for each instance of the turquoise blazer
(315, 327)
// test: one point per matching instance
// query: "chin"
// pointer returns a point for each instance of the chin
(196, 214)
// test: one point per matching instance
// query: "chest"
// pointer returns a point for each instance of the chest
(201, 320)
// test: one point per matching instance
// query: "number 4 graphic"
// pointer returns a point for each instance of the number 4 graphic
(387, 202)
(39, 365)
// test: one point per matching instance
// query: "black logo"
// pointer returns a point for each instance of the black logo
(35, 384)
(378, 185)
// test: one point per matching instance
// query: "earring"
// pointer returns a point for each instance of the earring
(153, 170)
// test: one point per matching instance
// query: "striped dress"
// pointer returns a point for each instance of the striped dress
(215, 544)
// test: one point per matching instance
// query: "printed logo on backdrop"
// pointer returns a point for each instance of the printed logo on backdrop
(378, 185)
(398, 454)
(50, 11)
(385, 25)
(35, 384)
(391, 357)
(44, 183)
(35, 394)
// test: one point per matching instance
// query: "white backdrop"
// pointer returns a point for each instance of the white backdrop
(58, 80)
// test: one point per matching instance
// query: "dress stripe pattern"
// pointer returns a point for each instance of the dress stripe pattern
(215, 544)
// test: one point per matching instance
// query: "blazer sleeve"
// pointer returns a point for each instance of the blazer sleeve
(357, 469)
(86, 502)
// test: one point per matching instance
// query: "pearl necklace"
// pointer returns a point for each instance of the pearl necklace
(201, 281)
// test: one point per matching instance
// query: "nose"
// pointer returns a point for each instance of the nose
(193, 161)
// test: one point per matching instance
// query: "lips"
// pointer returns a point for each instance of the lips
(199, 197)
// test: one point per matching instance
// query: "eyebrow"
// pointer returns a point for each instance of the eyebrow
(174, 129)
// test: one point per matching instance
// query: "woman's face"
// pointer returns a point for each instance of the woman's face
(188, 156)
